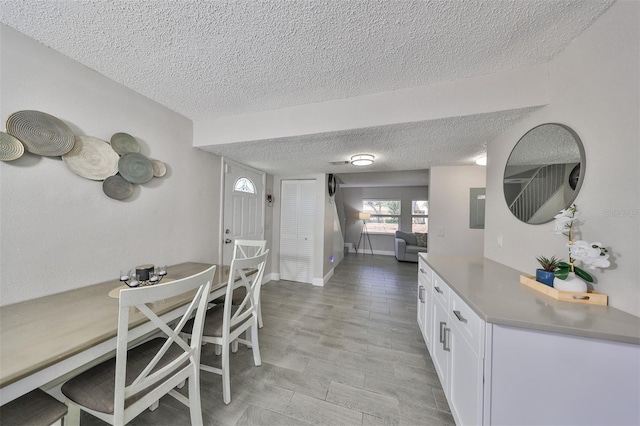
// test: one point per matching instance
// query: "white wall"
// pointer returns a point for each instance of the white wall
(60, 231)
(595, 91)
(382, 243)
(449, 202)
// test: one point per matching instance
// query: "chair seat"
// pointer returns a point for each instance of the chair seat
(94, 388)
(35, 408)
(213, 322)
(238, 296)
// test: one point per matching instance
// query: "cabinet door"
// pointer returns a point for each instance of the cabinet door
(427, 318)
(465, 387)
(441, 351)
(424, 302)
(421, 307)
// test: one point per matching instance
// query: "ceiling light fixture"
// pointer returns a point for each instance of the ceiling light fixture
(482, 160)
(362, 160)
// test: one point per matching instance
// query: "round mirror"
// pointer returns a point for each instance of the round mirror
(544, 173)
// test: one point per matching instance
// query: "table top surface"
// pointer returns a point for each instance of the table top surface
(494, 292)
(38, 333)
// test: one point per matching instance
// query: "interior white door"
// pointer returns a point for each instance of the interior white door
(243, 212)
(297, 223)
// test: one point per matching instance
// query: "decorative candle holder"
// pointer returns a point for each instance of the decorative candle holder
(143, 275)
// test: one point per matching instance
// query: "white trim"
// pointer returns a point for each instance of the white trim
(328, 276)
(380, 252)
(271, 277)
(221, 211)
(318, 282)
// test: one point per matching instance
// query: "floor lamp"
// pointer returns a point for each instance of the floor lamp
(364, 233)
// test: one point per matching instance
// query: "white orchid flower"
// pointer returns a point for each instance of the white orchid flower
(593, 255)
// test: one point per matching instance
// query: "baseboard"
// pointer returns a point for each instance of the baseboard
(328, 276)
(270, 277)
(318, 282)
(380, 252)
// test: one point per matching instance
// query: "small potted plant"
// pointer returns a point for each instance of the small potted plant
(547, 273)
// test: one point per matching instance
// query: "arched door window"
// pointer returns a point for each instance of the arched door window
(244, 184)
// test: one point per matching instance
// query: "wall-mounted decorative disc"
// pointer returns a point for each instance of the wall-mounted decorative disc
(135, 167)
(41, 133)
(123, 143)
(117, 188)
(159, 168)
(10, 147)
(92, 158)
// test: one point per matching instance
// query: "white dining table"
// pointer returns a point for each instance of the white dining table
(49, 339)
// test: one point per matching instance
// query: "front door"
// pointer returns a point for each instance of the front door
(243, 212)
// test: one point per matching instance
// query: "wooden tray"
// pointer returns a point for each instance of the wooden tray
(590, 297)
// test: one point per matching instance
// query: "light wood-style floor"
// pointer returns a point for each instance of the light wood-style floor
(348, 353)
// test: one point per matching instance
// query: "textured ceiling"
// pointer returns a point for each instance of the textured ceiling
(207, 59)
(410, 146)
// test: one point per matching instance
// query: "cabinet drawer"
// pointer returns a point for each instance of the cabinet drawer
(424, 272)
(440, 290)
(469, 324)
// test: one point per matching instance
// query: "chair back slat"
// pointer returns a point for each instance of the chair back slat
(248, 248)
(240, 275)
(195, 292)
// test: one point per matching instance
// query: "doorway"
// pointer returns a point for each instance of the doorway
(243, 206)
(297, 230)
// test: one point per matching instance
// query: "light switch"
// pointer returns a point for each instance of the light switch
(500, 240)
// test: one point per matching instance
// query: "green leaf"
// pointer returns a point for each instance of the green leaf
(564, 265)
(562, 273)
(583, 274)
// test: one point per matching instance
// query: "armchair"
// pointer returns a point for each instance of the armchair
(408, 245)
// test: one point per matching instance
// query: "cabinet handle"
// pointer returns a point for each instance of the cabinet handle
(459, 316)
(438, 289)
(444, 340)
(422, 270)
(442, 324)
(421, 294)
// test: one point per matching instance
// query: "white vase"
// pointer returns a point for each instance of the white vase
(571, 283)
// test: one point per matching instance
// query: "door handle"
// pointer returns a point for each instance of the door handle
(444, 340)
(442, 324)
(227, 241)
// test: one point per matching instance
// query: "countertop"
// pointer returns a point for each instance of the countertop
(494, 292)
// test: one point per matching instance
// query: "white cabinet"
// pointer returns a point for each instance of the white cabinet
(501, 374)
(440, 351)
(466, 371)
(425, 301)
(456, 346)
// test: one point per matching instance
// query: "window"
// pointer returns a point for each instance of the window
(244, 185)
(385, 215)
(419, 216)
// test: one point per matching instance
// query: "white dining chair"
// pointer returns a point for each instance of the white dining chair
(248, 248)
(241, 250)
(226, 323)
(34, 408)
(119, 389)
